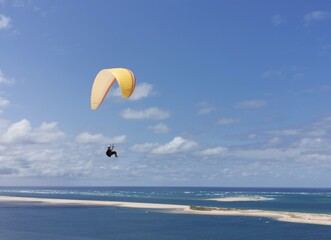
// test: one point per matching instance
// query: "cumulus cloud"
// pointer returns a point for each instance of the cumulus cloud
(159, 128)
(254, 103)
(227, 121)
(178, 144)
(142, 90)
(278, 20)
(316, 16)
(270, 153)
(4, 22)
(21, 132)
(87, 137)
(23, 146)
(149, 113)
(46, 151)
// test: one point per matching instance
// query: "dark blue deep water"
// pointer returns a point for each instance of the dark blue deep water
(33, 221)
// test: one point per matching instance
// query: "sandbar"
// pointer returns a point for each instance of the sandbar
(295, 217)
(92, 202)
(241, 199)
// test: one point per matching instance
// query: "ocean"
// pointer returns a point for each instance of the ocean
(34, 221)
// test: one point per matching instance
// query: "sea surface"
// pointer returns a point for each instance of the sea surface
(34, 221)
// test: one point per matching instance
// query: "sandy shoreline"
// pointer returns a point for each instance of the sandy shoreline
(295, 217)
(92, 203)
(241, 199)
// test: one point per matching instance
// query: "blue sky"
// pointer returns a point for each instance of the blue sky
(229, 93)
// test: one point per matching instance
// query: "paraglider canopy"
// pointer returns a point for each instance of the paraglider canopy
(104, 81)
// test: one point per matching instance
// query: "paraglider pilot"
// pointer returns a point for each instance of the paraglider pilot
(110, 151)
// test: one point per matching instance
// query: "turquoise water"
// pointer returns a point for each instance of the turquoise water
(39, 221)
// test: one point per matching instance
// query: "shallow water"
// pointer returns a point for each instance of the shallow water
(32, 221)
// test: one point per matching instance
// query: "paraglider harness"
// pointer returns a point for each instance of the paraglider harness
(110, 151)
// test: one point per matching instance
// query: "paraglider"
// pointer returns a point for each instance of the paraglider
(104, 81)
(110, 151)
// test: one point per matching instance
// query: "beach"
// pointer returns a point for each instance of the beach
(295, 217)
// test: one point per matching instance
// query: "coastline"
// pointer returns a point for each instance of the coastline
(294, 217)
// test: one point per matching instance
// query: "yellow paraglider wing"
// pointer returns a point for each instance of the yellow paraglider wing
(104, 81)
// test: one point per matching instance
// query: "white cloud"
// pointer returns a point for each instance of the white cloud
(146, 147)
(159, 128)
(3, 79)
(317, 158)
(278, 20)
(204, 108)
(310, 143)
(178, 144)
(142, 90)
(46, 151)
(274, 141)
(227, 121)
(21, 132)
(295, 145)
(254, 103)
(149, 113)
(4, 22)
(213, 151)
(316, 16)
(86, 137)
(280, 152)
(4, 102)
